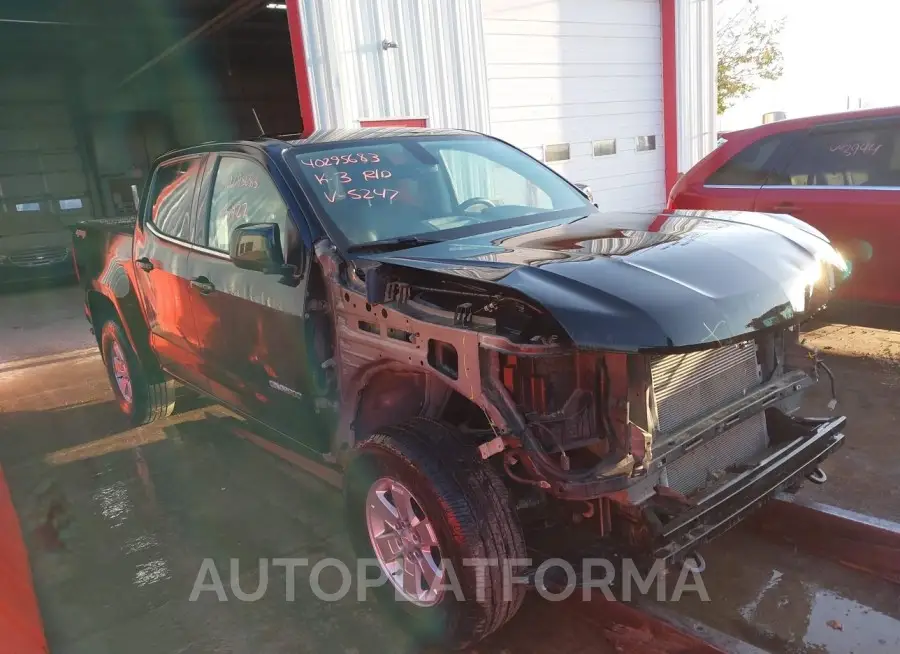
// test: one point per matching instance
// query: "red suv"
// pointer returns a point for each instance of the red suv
(840, 173)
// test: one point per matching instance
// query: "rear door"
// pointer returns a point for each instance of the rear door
(844, 180)
(735, 184)
(161, 253)
(251, 324)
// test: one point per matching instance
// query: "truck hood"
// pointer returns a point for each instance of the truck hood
(634, 282)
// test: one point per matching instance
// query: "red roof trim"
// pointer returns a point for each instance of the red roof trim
(301, 72)
(670, 92)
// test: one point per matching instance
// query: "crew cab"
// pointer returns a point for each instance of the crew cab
(474, 345)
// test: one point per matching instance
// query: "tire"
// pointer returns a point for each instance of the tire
(145, 401)
(468, 507)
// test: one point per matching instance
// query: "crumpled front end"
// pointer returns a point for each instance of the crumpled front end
(684, 444)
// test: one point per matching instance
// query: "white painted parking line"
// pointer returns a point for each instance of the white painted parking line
(30, 362)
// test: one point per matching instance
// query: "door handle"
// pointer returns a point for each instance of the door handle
(203, 285)
(144, 264)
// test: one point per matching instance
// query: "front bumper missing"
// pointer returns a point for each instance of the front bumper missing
(809, 442)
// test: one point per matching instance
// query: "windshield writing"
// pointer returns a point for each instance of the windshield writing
(396, 188)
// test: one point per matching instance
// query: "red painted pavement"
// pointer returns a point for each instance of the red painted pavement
(21, 629)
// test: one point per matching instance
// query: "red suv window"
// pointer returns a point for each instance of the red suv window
(749, 167)
(851, 157)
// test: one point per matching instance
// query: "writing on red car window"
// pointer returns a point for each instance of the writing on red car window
(339, 159)
(853, 149)
(364, 194)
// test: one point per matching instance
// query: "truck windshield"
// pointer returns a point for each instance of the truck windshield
(389, 188)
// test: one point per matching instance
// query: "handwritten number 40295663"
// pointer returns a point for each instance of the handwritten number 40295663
(336, 160)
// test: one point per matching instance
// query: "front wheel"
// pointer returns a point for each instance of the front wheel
(142, 401)
(437, 521)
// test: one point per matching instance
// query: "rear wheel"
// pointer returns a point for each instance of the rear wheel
(438, 522)
(140, 400)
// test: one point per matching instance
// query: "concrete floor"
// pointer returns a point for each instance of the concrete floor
(44, 322)
(118, 522)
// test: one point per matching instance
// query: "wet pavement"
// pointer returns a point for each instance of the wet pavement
(118, 524)
(786, 601)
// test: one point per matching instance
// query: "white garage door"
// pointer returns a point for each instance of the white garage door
(42, 181)
(578, 83)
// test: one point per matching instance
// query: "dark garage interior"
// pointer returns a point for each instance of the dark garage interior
(93, 91)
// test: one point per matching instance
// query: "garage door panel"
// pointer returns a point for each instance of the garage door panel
(19, 163)
(29, 87)
(575, 110)
(629, 197)
(587, 168)
(30, 140)
(46, 113)
(531, 28)
(17, 140)
(513, 48)
(23, 186)
(76, 213)
(39, 157)
(541, 131)
(572, 72)
(61, 162)
(56, 139)
(71, 184)
(515, 92)
(561, 70)
(625, 180)
(36, 163)
(628, 12)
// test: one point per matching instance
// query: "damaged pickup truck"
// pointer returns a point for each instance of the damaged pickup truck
(484, 355)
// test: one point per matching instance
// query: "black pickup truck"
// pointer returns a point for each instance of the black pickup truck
(474, 345)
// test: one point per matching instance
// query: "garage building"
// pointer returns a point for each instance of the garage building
(616, 94)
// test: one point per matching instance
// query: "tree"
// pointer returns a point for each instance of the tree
(747, 51)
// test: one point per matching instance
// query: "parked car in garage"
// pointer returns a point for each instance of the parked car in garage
(839, 173)
(478, 349)
(35, 245)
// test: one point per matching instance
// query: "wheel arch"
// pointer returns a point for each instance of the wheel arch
(391, 392)
(102, 307)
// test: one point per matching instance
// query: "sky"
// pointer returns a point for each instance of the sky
(832, 49)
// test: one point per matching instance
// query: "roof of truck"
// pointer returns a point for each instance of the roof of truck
(365, 133)
(325, 136)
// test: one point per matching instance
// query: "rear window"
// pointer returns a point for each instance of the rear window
(749, 167)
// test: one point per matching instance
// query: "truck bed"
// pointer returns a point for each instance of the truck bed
(95, 242)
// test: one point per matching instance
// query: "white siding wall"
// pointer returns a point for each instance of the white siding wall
(575, 71)
(696, 64)
(436, 72)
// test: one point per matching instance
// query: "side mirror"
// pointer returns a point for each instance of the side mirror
(586, 192)
(257, 246)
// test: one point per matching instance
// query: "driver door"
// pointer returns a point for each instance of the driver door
(250, 324)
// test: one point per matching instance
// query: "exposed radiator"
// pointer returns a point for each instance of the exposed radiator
(690, 385)
(737, 445)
